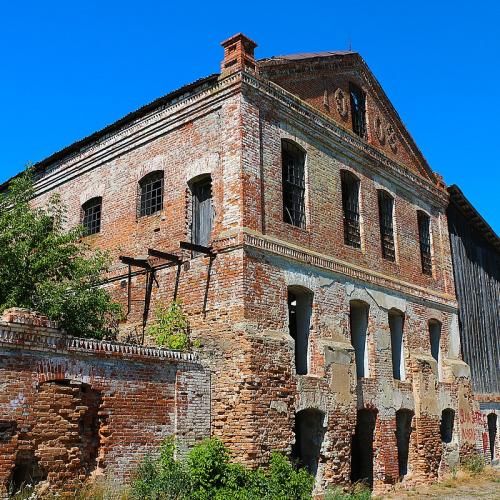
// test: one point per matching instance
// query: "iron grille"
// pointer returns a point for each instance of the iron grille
(350, 205)
(358, 110)
(386, 208)
(92, 211)
(425, 242)
(294, 186)
(151, 194)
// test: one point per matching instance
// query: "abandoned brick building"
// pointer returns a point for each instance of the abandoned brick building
(476, 261)
(286, 205)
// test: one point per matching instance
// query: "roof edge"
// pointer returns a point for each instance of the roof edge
(461, 202)
(115, 126)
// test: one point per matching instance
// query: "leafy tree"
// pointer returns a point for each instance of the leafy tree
(46, 268)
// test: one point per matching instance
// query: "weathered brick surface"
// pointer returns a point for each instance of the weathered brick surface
(237, 301)
(77, 406)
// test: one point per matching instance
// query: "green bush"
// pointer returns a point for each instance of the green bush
(358, 491)
(208, 474)
(171, 327)
(473, 463)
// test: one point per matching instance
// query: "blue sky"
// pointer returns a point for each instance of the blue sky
(70, 68)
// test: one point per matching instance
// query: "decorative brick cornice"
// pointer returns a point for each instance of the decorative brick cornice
(156, 123)
(290, 251)
(338, 137)
(18, 336)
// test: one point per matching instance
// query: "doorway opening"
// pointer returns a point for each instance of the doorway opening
(362, 448)
(309, 434)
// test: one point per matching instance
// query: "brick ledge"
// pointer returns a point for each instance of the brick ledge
(21, 337)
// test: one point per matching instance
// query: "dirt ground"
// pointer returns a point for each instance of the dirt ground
(464, 487)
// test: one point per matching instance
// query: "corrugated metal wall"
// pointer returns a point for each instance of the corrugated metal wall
(477, 282)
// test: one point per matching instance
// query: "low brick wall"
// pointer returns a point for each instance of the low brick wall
(69, 406)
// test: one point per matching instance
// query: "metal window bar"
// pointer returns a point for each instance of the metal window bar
(425, 242)
(151, 194)
(294, 185)
(350, 205)
(92, 212)
(386, 208)
(358, 110)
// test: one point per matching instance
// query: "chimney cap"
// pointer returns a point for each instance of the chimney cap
(239, 36)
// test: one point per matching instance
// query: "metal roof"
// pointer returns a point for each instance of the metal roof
(309, 55)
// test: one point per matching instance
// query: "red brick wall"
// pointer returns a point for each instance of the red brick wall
(76, 406)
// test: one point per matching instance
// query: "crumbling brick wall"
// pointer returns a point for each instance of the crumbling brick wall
(71, 407)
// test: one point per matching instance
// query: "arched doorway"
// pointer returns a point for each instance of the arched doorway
(309, 434)
(362, 447)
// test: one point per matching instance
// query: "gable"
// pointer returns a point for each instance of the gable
(323, 80)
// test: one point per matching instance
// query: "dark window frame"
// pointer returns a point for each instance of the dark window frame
(351, 208)
(151, 194)
(386, 222)
(92, 216)
(424, 238)
(293, 163)
(358, 110)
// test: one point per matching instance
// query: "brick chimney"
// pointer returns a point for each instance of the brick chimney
(238, 55)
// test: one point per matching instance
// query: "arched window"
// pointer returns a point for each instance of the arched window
(91, 216)
(396, 325)
(359, 336)
(293, 161)
(386, 210)
(447, 421)
(299, 324)
(424, 235)
(150, 194)
(358, 110)
(350, 206)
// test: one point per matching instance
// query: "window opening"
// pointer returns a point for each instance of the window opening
(362, 448)
(151, 194)
(425, 242)
(294, 185)
(435, 341)
(309, 435)
(92, 212)
(447, 422)
(202, 212)
(299, 322)
(359, 337)
(386, 209)
(396, 325)
(403, 432)
(492, 433)
(358, 110)
(350, 205)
